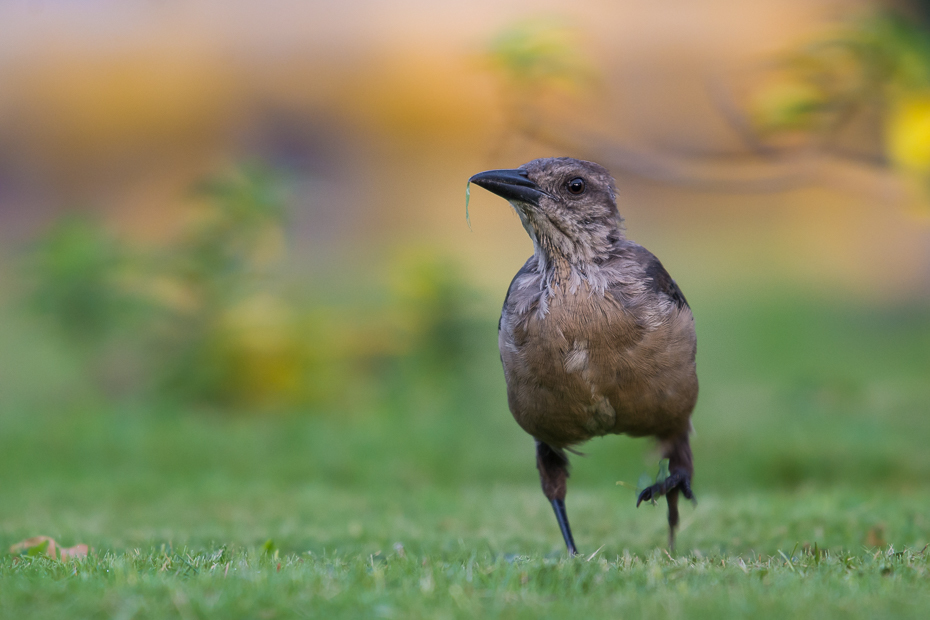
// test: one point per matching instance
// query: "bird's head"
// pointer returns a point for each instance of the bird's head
(567, 206)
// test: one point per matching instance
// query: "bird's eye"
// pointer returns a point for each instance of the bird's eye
(576, 186)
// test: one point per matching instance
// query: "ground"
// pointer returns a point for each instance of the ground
(812, 478)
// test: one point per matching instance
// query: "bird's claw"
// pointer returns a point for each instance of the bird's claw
(678, 479)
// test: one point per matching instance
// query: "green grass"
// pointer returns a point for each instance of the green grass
(812, 477)
(246, 583)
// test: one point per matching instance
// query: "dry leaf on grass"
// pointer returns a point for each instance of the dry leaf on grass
(38, 545)
(73, 553)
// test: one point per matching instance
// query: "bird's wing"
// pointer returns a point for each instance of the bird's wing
(656, 277)
(518, 299)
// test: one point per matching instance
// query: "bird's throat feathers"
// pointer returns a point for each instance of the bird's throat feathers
(569, 259)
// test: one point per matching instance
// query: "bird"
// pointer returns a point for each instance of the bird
(595, 336)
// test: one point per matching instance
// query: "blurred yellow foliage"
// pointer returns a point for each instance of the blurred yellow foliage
(908, 133)
(261, 351)
(209, 318)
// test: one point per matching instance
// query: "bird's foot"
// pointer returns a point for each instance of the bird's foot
(677, 479)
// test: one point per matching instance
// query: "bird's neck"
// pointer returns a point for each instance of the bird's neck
(566, 265)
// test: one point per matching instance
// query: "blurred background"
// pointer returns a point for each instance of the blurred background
(217, 216)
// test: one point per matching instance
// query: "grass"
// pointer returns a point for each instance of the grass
(812, 478)
(246, 583)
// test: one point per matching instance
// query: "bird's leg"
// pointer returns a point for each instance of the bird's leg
(680, 470)
(553, 473)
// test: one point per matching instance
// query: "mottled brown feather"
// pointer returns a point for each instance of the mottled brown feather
(617, 361)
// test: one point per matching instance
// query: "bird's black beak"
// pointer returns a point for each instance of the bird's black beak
(514, 185)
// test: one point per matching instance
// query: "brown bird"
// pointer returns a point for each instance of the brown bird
(595, 336)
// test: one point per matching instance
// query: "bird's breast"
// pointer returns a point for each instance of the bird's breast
(587, 367)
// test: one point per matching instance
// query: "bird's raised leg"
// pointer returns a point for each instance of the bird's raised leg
(553, 473)
(680, 470)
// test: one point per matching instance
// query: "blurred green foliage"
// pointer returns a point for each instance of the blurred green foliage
(215, 286)
(539, 53)
(537, 61)
(879, 62)
(213, 318)
(77, 269)
(876, 58)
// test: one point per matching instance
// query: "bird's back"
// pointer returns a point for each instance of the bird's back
(611, 351)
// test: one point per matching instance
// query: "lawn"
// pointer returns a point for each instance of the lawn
(812, 475)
